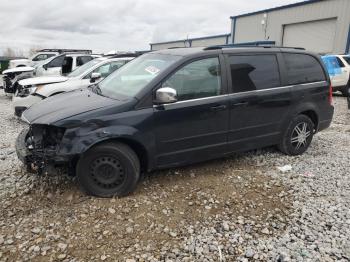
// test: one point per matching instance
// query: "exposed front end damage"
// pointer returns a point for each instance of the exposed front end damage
(12, 76)
(62, 128)
(38, 145)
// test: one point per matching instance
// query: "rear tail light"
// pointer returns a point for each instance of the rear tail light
(330, 95)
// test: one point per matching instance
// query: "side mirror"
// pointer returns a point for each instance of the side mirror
(45, 66)
(94, 77)
(166, 95)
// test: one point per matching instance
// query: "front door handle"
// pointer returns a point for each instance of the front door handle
(218, 108)
(241, 104)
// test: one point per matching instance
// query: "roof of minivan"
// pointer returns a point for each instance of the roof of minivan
(180, 51)
(200, 50)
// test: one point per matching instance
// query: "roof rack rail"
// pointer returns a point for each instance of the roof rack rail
(291, 47)
(61, 51)
(127, 54)
(122, 55)
(247, 44)
(262, 44)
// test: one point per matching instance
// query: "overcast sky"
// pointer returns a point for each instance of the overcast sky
(106, 25)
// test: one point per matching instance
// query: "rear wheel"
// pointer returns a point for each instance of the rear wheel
(346, 90)
(298, 136)
(109, 169)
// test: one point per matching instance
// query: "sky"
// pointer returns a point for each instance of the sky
(122, 25)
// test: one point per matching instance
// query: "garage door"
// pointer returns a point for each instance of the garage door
(317, 36)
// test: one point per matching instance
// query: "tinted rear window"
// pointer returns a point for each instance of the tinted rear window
(302, 69)
(254, 72)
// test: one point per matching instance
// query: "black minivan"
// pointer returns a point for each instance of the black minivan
(179, 106)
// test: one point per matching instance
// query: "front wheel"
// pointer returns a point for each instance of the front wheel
(109, 169)
(298, 136)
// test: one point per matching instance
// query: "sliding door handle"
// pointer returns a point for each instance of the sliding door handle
(241, 104)
(218, 108)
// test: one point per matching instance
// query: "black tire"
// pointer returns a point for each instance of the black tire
(292, 143)
(346, 90)
(109, 169)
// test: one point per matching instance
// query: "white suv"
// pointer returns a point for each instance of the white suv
(33, 90)
(338, 67)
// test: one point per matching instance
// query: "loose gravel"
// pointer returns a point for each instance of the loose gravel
(243, 208)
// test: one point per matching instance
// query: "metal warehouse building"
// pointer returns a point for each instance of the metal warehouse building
(194, 42)
(318, 25)
(322, 26)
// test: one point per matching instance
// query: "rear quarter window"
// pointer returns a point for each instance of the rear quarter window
(303, 68)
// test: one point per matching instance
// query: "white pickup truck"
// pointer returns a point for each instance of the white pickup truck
(32, 61)
(42, 55)
(62, 64)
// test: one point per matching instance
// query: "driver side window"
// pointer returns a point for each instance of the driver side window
(56, 62)
(198, 79)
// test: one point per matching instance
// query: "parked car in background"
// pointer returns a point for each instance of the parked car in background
(12, 76)
(33, 90)
(62, 64)
(179, 106)
(346, 64)
(33, 60)
(338, 68)
(42, 55)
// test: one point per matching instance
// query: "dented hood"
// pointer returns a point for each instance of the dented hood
(66, 105)
(19, 69)
(43, 80)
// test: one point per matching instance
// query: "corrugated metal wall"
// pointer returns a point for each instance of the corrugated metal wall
(209, 41)
(160, 46)
(249, 28)
(193, 42)
(315, 35)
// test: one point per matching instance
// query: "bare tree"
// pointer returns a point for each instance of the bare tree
(9, 52)
(34, 49)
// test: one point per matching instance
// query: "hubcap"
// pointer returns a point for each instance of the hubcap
(107, 172)
(300, 135)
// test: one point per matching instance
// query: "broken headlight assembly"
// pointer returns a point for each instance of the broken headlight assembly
(24, 91)
(44, 138)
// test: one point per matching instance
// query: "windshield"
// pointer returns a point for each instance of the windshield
(81, 69)
(43, 62)
(135, 75)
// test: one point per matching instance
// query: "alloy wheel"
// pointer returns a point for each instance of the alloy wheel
(300, 135)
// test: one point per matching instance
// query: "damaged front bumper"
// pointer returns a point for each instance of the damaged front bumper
(38, 151)
(20, 104)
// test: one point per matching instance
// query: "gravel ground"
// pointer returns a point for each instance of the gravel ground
(242, 208)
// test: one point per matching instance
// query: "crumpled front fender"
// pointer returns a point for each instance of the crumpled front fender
(76, 142)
